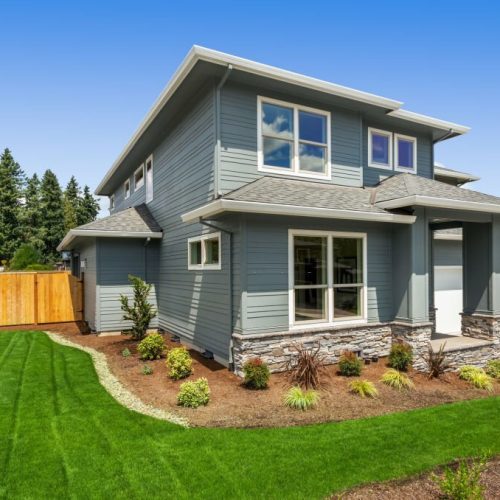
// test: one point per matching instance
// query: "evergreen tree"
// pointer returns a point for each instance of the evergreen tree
(11, 184)
(72, 204)
(88, 208)
(51, 202)
(32, 214)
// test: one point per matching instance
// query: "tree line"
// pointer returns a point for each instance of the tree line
(37, 211)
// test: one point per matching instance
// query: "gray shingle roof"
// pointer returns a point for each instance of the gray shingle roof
(306, 193)
(131, 220)
(402, 185)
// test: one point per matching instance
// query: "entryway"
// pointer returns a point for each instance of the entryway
(448, 299)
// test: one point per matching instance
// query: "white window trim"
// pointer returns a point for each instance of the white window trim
(112, 202)
(408, 138)
(294, 171)
(141, 167)
(386, 133)
(151, 192)
(125, 189)
(203, 266)
(330, 321)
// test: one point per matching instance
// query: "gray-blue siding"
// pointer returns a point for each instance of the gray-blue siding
(447, 253)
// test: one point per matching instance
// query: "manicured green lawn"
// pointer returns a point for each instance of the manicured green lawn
(62, 435)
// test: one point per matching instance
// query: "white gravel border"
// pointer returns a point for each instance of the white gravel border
(115, 387)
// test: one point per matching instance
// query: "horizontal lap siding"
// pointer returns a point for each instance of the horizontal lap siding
(266, 298)
(447, 253)
(239, 139)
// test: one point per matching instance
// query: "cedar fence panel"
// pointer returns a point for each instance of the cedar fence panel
(40, 297)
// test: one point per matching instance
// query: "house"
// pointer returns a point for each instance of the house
(268, 208)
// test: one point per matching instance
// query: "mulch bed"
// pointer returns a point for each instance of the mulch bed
(421, 487)
(232, 405)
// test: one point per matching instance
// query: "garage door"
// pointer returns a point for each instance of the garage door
(448, 299)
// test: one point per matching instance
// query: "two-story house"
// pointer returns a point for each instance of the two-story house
(268, 208)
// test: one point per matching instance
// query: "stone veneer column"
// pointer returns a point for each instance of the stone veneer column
(418, 336)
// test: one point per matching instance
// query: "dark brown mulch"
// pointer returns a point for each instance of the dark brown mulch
(232, 405)
(421, 487)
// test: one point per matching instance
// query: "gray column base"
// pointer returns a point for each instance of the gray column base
(481, 326)
(418, 336)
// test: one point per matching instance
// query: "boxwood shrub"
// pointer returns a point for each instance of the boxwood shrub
(194, 393)
(179, 363)
(151, 347)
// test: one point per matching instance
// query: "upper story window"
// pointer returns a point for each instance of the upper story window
(149, 179)
(387, 150)
(204, 252)
(293, 139)
(405, 158)
(112, 202)
(139, 177)
(126, 188)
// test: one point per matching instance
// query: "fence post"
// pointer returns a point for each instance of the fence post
(35, 288)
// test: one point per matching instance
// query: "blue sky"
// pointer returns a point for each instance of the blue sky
(78, 77)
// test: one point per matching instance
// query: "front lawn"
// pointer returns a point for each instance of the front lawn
(63, 435)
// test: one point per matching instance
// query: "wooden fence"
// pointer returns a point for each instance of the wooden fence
(40, 297)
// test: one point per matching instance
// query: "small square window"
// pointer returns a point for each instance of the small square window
(379, 148)
(204, 252)
(126, 188)
(139, 177)
(212, 251)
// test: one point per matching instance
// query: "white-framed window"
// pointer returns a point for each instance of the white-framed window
(112, 202)
(204, 252)
(126, 188)
(293, 139)
(405, 153)
(139, 178)
(327, 278)
(379, 148)
(149, 179)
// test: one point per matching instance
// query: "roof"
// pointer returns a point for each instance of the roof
(448, 173)
(272, 195)
(196, 54)
(406, 190)
(134, 222)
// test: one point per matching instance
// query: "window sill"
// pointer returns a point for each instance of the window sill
(325, 326)
(380, 166)
(289, 173)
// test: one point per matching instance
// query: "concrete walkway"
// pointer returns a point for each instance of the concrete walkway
(456, 342)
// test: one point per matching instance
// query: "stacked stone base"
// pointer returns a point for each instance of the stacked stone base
(418, 336)
(475, 356)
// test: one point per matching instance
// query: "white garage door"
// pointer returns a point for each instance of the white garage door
(448, 299)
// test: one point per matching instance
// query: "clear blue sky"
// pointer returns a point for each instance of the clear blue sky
(76, 78)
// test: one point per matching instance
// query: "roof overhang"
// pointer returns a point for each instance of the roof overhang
(434, 202)
(73, 234)
(447, 173)
(196, 54)
(221, 206)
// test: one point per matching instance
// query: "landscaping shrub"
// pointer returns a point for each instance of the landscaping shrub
(256, 374)
(477, 377)
(464, 482)
(126, 352)
(147, 370)
(401, 356)
(152, 346)
(350, 364)
(397, 380)
(39, 267)
(179, 363)
(140, 312)
(298, 399)
(436, 362)
(363, 388)
(305, 369)
(493, 368)
(194, 394)
(26, 255)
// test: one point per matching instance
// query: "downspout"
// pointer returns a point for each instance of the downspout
(230, 234)
(218, 130)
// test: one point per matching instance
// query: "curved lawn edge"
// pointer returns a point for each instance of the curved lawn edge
(114, 387)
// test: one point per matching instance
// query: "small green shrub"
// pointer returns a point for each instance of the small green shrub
(464, 482)
(256, 374)
(493, 368)
(363, 388)
(298, 399)
(152, 346)
(194, 393)
(401, 356)
(26, 255)
(397, 380)
(477, 377)
(179, 363)
(147, 370)
(350, 365)
(466, 372)
(39, 267)
(126, 352)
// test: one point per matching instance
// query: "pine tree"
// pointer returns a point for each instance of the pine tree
(31, 219)
(72, 202)
(11, 184)
(51, 201)
(88, 208)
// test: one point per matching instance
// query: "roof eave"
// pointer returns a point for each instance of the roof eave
(92, 233)
(236, 206)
